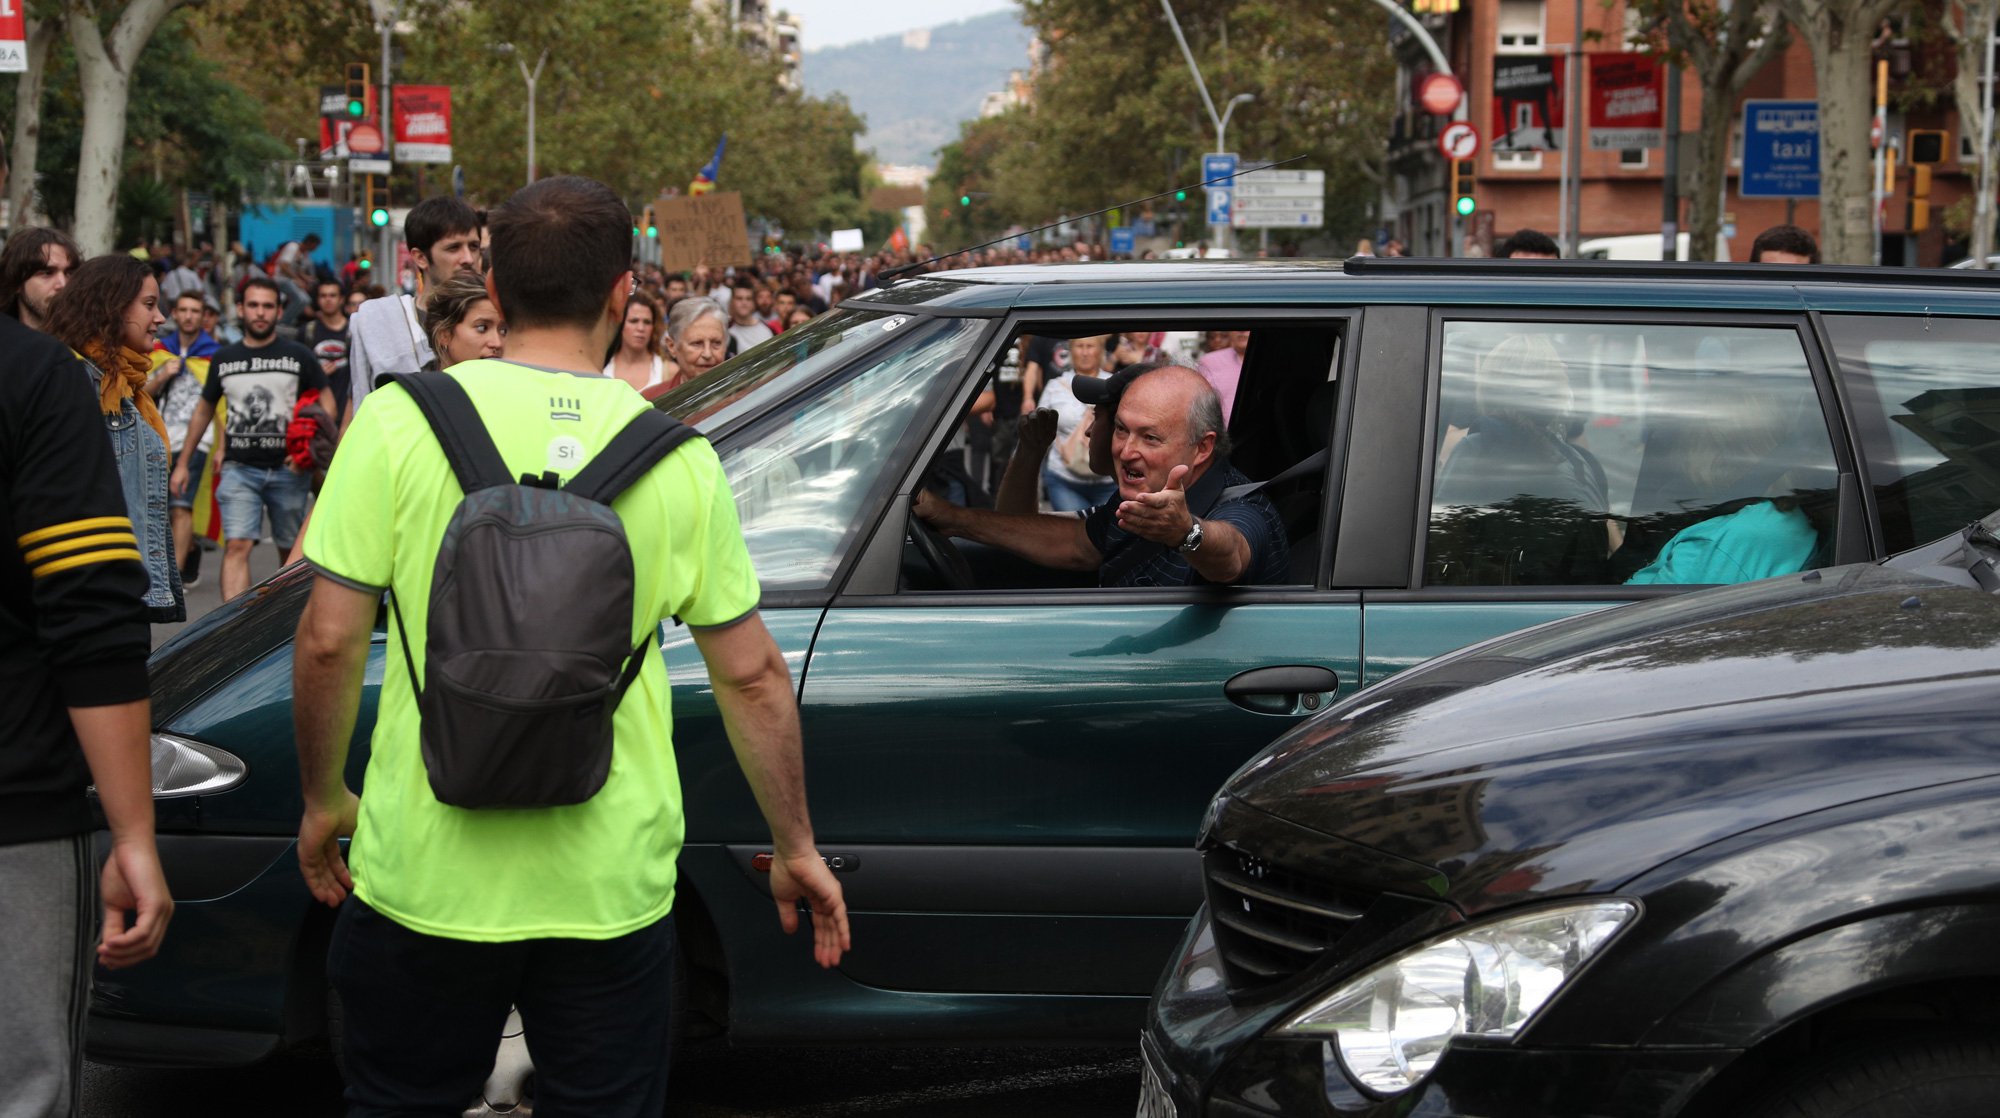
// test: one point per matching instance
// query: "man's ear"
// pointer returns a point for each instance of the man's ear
(1204, 449)
(493, 293)
(619, 295)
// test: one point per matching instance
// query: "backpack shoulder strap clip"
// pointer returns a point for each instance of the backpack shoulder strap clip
(650, 437)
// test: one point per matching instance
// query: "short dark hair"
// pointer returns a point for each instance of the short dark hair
(191, 294)
(329, 283)
(309, 240)
(1784, 238)
(557, 246)
(267, 283)
(22, 258)
(1528, 240)
(89, 312)
(434, 219)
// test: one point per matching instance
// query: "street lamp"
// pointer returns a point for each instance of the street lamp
(1221, 120)
(531, 78)
(1222, 126)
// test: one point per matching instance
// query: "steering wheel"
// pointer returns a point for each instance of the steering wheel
(942, 555)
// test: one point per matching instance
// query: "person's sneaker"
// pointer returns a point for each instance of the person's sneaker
(191, 570)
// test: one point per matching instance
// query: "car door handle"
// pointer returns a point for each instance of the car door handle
(1289, 690)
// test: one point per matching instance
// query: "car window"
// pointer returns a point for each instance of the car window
(1601, 454)
(802, 474)
(740, 386)
(1927, 401)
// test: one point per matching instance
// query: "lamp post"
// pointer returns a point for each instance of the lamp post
(1225, 238)
(531, 77)
(1222, 126)
(385, 12)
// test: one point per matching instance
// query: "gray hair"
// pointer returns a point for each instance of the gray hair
(692, 309)
(1205, 414)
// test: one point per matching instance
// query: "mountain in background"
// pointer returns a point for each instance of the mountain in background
(916, 88)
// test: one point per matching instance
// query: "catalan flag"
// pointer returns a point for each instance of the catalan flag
(207, 516)
(711, 172)
(79, 543)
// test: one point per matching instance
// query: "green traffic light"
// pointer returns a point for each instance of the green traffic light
(1465, 205)
(653, 231)
(356, 108)
(364, 263)
(1180, 195)
(965, 199)
(379, 217)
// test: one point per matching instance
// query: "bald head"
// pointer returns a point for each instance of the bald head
(1167, 417)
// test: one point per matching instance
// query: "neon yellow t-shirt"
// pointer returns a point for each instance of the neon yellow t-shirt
(594, 870)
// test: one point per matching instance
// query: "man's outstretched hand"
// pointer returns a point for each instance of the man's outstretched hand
(796, 876)
(1161, 517)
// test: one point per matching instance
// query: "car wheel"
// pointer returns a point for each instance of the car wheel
(1919, 1077)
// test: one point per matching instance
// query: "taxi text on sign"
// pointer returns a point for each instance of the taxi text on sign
(703, 229)
(13, 37)
(1780, 149)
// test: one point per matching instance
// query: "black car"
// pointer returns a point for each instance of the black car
(1732, 853)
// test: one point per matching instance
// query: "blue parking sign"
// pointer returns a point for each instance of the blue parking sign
(1123, 241)
(1780, 150)
(1219, 166)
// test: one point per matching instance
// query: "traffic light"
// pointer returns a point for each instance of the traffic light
(965, 199)
(358, 90)
(1927, 145)
(377, 189)
(1180, 195)
(1462, 186)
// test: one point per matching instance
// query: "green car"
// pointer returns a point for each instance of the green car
(1008, 765)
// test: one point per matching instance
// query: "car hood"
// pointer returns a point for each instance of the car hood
(1576, 755)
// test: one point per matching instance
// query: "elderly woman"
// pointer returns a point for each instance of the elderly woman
(697, 337)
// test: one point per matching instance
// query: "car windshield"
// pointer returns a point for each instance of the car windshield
(739, 387)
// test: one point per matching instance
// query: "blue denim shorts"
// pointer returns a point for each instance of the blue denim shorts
(247, 493)
(197, 462)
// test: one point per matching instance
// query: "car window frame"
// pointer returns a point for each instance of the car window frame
(876, 581)
(1855, 533)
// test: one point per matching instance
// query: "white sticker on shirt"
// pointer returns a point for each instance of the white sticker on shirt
(565, 454)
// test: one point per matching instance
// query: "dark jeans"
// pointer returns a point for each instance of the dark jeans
(424, 1016)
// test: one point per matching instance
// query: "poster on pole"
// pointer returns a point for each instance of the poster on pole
(423, 123)
(13, 36)
(1628, 94)
(1528, 102)
(702, 229)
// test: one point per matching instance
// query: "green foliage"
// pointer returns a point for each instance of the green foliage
(188, 126)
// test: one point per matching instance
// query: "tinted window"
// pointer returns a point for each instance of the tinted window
(1926, 394)
(801, 476)
(1595, 454)
(806, 353)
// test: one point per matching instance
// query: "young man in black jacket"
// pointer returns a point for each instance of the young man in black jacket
(73, 712)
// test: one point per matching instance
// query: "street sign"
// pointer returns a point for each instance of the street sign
(361, 165)
(1459, 140)
(364, 139)
(1026, 243)
(1780, 150)
(1440, 94)
(13, 37)
(1123, 240)
(1280, 199)
(1218, 166)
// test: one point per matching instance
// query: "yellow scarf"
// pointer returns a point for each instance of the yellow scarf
(125, 374)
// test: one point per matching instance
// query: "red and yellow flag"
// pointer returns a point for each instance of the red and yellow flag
(207, 516)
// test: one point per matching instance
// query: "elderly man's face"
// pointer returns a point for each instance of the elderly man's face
(1151, 435)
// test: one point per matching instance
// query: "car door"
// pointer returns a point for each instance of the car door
(1018, 775)
(1576, 460)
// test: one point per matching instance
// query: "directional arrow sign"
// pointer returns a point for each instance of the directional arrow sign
(1459, 140)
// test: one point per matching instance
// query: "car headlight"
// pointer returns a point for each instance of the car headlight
(184, 767)
(1392, 1023)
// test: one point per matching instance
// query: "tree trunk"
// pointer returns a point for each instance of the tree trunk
(28, 124)
(1967, 87)
(104, 65)
(1846, 108)
(1711, 164)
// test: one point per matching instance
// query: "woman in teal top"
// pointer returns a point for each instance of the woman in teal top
(1756, 541)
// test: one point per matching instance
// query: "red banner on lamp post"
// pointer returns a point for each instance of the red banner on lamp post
(13, 36)
(423, 123)
(1627, 101)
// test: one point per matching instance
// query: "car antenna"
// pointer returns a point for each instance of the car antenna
(903, 269)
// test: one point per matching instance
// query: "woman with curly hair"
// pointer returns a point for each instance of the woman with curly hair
(637, 361)
(108, 314)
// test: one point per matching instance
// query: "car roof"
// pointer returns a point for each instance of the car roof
(1636, 285)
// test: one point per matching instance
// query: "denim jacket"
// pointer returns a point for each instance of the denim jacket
(143, 471)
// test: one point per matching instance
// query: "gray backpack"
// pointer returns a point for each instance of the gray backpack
(526, 651)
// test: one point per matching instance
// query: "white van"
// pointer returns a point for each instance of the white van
(1640, 246)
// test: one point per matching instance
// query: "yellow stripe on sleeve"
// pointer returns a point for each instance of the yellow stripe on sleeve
(57, 566)
(78, 544)
(73, 527)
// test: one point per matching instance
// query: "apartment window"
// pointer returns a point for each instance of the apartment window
(1521, 26)
(1517, 160)
(1635, 159)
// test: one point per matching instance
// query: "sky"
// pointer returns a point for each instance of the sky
(832, 23)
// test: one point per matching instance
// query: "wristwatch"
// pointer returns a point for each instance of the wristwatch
(1193, 540)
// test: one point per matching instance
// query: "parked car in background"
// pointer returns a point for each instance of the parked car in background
(1730, 854)
(1008, 763)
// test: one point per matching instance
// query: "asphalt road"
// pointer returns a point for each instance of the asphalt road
(718, 1083)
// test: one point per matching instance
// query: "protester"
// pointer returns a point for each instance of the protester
(326, 335)
(107, 314)
(1784, 244)
(292, 267)
(387, 336)
(1223, 367)
(563, 911)
(746, 329)
(75, 720)
(212, 324)
(181, 365)
(263, 378)
(355, 297)
(1069, 481)
(462, 323)
(697, 336)
(1528, 244)
(638, 361)
(34, 267)
(798, 316)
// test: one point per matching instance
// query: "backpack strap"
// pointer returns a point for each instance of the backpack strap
(650, 437)
(475, 461)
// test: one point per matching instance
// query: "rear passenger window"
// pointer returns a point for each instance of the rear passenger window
(1597, 454)
(1926, 397)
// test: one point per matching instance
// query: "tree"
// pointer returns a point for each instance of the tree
(104, 63)
(1725, 45)
(1840, 34)
(43, 31)
(1969, 24)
